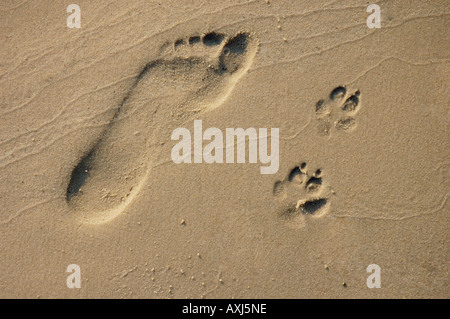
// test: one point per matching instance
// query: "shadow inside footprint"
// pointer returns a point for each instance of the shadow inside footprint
(351, 103)
(233, 53)
(79, 175)
(312, 206)
(194, 39)
(294, 172)
(238, 44)
(338, 92)
(314, 181)
(212, 39)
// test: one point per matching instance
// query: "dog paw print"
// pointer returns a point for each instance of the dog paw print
(338, 111)
(302, 195)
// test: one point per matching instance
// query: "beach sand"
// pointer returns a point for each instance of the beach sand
(87, 176)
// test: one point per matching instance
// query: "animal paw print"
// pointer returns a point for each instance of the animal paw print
(302, 195)
(338, 110)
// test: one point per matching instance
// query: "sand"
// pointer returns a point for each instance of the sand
(87, 176)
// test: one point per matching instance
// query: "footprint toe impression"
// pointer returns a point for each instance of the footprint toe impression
(169, 91)
(233, 54)
(213, 39)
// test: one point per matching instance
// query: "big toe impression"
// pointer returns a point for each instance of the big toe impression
(237, 53)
